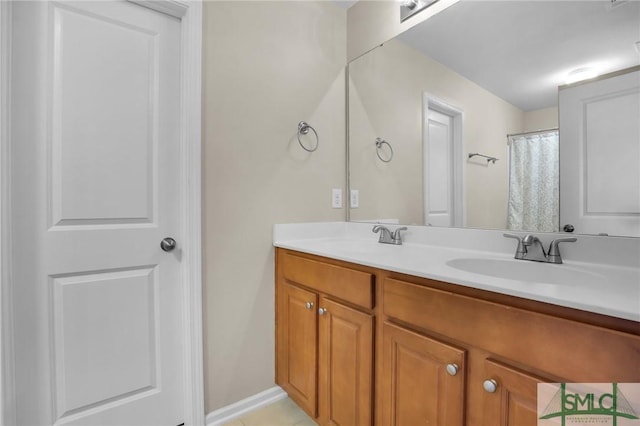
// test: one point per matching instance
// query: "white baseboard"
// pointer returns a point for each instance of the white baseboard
(237, 409)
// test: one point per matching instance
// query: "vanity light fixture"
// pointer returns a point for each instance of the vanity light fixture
(408, 8)
(580, 74)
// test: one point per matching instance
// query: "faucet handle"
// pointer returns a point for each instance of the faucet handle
(514, 236)
(385, 234)
(396, 237)
(554, 251)
(377, 228)
(396, 233)
(521, 249)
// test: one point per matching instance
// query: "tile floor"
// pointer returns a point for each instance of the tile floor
(280, 413)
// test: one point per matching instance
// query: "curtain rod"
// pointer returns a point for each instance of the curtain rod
(533, 131)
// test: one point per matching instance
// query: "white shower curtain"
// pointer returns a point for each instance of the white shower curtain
(534, 182)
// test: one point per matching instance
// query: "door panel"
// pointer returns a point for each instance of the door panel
(439, 186)
(599, 154)
(95, 360)
(102, 172)
(514, 403)
(97, 303)
(345, 365)
(297, 373)
(416, 388)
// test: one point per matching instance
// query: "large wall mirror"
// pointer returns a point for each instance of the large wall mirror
(469, 119)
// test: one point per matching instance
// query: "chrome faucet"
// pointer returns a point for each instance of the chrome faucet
(388, 237)
(530, 241)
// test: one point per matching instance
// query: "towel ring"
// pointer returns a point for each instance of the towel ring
(488, 157)
(303, 128)
(379, 143)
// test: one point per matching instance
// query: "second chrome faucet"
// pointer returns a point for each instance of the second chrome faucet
(527, 244)
(388, 237)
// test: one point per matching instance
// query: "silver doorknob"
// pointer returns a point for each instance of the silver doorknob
(490, 385)
(452, 369)
(309, 305)
(322, 311)
(168, 244)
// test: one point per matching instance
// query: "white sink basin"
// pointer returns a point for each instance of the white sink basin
(524, 270)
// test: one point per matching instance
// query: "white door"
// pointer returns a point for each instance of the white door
(94, 148)
(600, 156)
(438, 170)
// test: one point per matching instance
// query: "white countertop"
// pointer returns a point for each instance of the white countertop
(609, 289)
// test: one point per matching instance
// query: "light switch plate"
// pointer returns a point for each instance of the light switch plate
(336, 198)
(354, 200)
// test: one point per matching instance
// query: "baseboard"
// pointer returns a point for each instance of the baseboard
(237, 409)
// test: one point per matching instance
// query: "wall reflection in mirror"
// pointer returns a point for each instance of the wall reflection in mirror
(489, 78)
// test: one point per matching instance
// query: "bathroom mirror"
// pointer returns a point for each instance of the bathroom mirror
(446, 94)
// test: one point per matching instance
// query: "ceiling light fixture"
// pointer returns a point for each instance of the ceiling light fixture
(411, 4)
(408, 8)
(580, 74)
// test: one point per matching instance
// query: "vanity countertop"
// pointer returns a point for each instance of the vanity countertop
(604, 288)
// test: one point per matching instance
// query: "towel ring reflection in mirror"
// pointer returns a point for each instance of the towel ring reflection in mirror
(303, 129)
(489, 158)
(379, 143)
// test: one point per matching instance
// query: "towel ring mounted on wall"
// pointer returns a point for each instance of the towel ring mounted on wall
(379, 143)
(303, 129)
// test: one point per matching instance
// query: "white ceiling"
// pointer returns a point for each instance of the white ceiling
(522, 50)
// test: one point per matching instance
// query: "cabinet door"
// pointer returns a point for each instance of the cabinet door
(345, 365)
(417, 388)
(513, 401)
(297, 339)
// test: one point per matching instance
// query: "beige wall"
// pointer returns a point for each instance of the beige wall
(385, 100)
(541, 119)
(267, 66)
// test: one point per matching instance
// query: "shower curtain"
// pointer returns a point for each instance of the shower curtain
(534, 182)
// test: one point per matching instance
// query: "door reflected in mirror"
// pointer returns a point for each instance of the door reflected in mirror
(464, 80)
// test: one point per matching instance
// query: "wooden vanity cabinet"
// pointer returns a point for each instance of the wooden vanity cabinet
(324, 338)
(511, 345)
(442, 354)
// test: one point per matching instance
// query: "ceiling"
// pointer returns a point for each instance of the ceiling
(523, 50)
